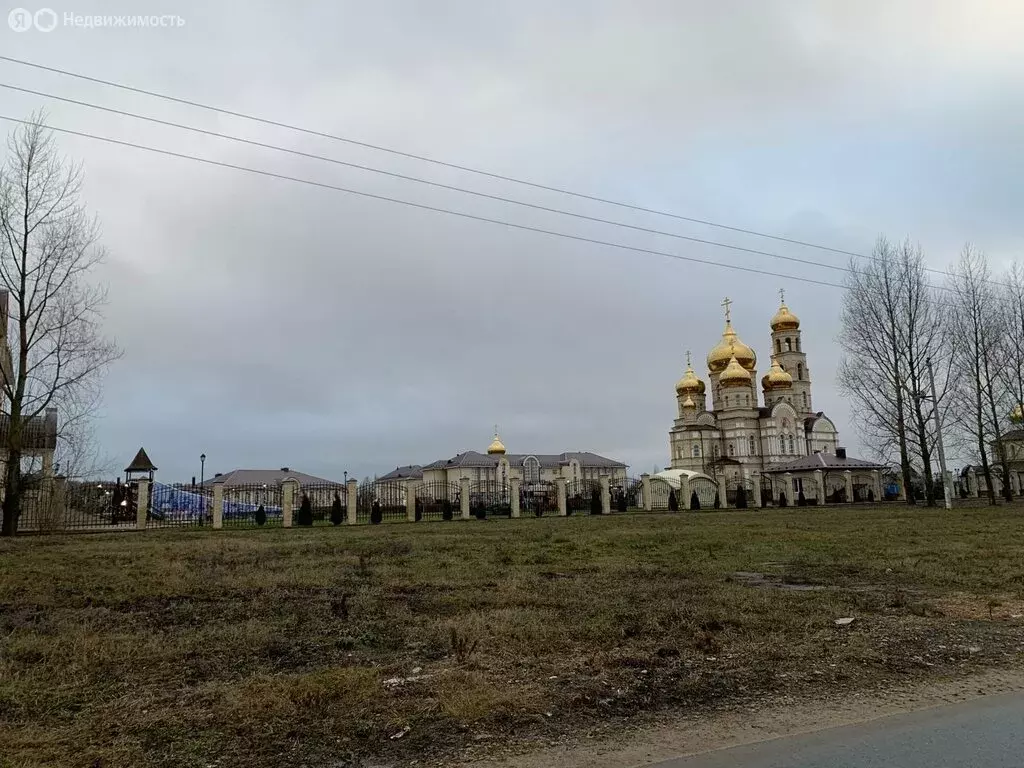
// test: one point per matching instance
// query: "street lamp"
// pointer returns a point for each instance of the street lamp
(202, 469)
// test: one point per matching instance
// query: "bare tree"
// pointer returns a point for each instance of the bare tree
(873, 370)
(976, 333)
(48, 248)
(1012, 305)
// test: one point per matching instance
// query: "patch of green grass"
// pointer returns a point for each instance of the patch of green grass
(273, 647)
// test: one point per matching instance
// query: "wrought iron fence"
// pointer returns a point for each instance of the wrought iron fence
(321, 498)
(252, 504)
(490, 499)
(660, 492)
(706, 490)
(380, 501)
(171, 506)
(437, 500)
(582, 497)
(537, 499)
(627, 494)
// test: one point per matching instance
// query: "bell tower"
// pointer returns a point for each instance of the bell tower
(787, 350)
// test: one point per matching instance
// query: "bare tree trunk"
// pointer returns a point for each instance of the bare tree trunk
(48, 247)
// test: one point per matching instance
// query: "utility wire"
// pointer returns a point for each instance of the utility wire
(427, 182)
(446, 164)
(423, 206)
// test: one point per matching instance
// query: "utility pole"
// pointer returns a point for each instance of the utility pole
(947, 489)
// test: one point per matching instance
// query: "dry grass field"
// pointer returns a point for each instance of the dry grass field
(411, 642)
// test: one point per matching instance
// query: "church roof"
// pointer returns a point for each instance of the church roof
(822, 461)
(549, 460)
(1014, 434)
(141, 463)
(409, 471)
(264, 477)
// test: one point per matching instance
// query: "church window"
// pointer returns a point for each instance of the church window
(791, 448)
(753, 446)
(805, 399)
(714, 450)
(732, 449)
(748, 399)
(789, 345)
(531, 470)
(797, 343)
(778, 345)
(696, 451)
(800, 371)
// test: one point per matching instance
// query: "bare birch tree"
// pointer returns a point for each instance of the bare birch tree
(872, 371)
(976, 333)
(1012, 305)
(49, 246)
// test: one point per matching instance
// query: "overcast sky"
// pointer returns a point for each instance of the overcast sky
(268, 323)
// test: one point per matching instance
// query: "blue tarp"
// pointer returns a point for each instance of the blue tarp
(168, 503)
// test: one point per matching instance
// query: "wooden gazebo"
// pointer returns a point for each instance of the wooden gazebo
(141, 466)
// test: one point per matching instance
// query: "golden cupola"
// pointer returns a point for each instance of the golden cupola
(730, 347)
(734, 375)
(784, 320)
(496, 446)
(1017, 414)
(776, 378)
(690, 384)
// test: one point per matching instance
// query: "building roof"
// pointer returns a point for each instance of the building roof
(39, 433)
(548, 460)
(141, 463)
(1014, 434)
(822, 461)
(264, 477)
(409, 471)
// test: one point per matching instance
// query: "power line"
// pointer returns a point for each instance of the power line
(423, 206)
(427, 182)
(447, 164)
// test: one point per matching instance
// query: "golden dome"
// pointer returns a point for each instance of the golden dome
(728, 348)
(734, 375)
(1017, 414)
(690, 384)
(688, 402)
(776, 378)
(784, 320)
(496, 445)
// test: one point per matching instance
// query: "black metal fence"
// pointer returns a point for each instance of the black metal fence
(490, 499)
(583, 497)
(438, 501)
(326, 500)
(253, 504)
(627, 494)
(537, 499)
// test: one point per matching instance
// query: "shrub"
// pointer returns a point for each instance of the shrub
(741, 498)
(782, 499)
(871, 494)
(620, 502)
(480, 511)
(718, 501)
(694, 501)
(673, 502)
(419, 510)
(305, 516)
(336, 515)
(595, 501)
(801, 500)
(375, 514)
(261, 516)
(446, 510)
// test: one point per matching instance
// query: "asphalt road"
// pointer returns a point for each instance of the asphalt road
(985, 733)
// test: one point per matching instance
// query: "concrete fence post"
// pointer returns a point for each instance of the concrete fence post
(819, 482)
(218, 505)
(684, 492)
(515, 485)
(351, 499)
(755, 482)
(787, 488)
(288, 488)
(645, 487)
(723, 490)
(563, 507)
(464, 497)
(848, 482)
(606, 496)
(142, 504)
(410, 500)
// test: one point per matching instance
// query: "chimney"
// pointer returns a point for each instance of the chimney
(840, 453)
(285, 469)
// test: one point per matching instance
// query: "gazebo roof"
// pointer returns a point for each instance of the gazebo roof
(823, 461)
(141, 463)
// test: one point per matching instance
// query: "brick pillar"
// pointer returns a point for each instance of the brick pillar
(848, 479)
(410, 500)
(218, 505)
(351, 496)
(684, 491)
(288, 489)
(972, 480)
(790, 493)
(563, 508)
(755, 481)
(819, 482)
(516, 485)
(606, 495)
(645, 486)
(142, 505)
(723, 489)
(876, 476)
(464, 497)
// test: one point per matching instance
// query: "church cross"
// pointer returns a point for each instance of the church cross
(495, 430)
(688, 363)
(782, 295)
(727, 303)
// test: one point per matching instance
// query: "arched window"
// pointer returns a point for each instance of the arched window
(531, 470)
(800, 371)
(789, 344)
(805, 399)
(714, 450)
(778, 345)
(747, 399)
(797, 343)
(732, 449)
(696, 451)
(753, 446)
(791, 448)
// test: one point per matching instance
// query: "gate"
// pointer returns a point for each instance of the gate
(172, 506)
(252, 504)
(706, 490)
(627, 494)
(538, 498)
(660, 491)
(384, 496)
(580, 497)
(767, 495)
(321, 499)
(490, 499)
(438, 500)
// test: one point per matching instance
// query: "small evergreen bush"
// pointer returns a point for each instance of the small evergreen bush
(595, 502)
(741, 498)
(261, 516)
(620, 502)
(673, 502)
(336, 514)
(419, 510)
(375, 514)
(801, 500)
(782, 499)
(305, 516)
(694, 501)
(718, 501)
(446, 510)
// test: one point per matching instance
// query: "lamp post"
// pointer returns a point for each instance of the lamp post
(202, 479)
